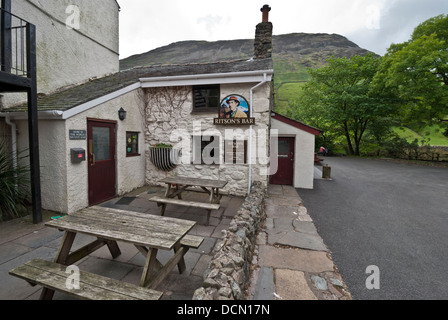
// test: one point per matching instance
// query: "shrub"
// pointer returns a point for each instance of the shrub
(14, 184)
(396, 147)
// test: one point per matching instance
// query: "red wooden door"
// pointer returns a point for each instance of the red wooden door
(285, 155)
(101, 156)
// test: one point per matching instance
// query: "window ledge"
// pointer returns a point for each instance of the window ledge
(131, 155)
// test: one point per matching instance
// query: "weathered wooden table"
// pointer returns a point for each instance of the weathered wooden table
(182, 183)
(147, 232)
(177, 185)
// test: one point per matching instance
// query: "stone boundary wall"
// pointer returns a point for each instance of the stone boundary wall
(228, 272)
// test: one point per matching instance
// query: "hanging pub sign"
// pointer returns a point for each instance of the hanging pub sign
(234, 110)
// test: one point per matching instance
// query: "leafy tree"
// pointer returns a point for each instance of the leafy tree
(417, 71)
(341, 98)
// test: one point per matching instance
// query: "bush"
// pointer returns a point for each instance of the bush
(396, 147)
(14, 184)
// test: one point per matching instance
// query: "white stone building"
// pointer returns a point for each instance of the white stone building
(88, 154)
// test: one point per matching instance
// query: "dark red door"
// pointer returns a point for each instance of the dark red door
(101, 154)
(285, 156)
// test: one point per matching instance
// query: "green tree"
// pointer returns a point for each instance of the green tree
(417, 71)
(340, 95)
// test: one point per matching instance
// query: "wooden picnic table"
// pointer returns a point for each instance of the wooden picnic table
(180, 184)
(177, 184)
(149, 233)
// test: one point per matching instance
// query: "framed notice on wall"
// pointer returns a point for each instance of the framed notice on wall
(235, 151)
(234, 110)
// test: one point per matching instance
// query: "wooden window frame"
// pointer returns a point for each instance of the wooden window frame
(133, 154)
(210, 107)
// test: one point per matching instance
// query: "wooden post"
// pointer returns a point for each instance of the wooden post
(326, 172)
(33, 123)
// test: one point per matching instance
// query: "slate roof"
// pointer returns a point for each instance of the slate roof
(72, 97)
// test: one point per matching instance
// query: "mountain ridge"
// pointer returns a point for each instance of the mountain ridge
(295, 45)
(293, 54)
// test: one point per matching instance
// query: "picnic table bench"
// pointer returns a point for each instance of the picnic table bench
(176, 185)
(148, 233)
(53, 276)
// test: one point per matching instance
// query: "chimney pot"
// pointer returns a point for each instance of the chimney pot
(266, 8)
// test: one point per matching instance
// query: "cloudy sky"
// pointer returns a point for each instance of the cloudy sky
(371, 24)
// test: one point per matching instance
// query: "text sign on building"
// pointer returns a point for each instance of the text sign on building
(234, 110)
(77, 134)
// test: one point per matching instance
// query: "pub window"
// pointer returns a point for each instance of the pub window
(206, 98)
(206, 150)
(132, 144)
(235, 151)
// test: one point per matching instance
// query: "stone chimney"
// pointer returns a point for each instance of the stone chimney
(263, 36)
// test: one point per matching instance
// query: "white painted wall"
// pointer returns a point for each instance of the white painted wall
(52, 152)
(64, 184)
(130, 170)
(304, 153)
(67, 57)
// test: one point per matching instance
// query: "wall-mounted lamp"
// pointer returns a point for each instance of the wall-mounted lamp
(122, 114)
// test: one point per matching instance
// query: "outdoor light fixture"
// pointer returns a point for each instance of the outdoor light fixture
(122, 114)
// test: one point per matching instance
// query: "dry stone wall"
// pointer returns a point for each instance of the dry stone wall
(229, 270)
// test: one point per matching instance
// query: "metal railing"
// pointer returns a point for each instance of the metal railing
(13, 44)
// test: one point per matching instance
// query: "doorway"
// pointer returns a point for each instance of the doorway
(285, 155)
(101, 160)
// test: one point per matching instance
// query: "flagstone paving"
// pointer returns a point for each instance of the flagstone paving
(291, 262)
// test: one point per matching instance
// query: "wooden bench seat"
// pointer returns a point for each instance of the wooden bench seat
(53, 276)
(192, 241)
(201, 205)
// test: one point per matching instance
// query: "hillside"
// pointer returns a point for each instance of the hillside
(292, 55)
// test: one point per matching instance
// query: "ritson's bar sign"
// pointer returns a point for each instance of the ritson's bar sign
(234, 110)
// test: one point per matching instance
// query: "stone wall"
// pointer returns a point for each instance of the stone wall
(170, 119)
(263, 40)
(229, 270)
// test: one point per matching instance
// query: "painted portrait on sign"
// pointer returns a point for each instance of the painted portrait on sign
(234, 106)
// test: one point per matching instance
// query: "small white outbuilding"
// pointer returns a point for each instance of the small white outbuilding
(295, 152)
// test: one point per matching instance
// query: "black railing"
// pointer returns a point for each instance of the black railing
(13, 44)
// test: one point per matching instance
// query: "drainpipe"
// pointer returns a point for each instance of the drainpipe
(13, 138)
(250, 131)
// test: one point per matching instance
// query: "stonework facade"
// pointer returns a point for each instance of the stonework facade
(170, 119)
(263, 40)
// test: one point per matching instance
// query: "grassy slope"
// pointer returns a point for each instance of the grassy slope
(434, 133)
(288, 80)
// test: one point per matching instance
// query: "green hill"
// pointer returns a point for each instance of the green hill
(432, 135)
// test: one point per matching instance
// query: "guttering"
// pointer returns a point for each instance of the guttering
(265, 79)
(42, 115)
(210, 78)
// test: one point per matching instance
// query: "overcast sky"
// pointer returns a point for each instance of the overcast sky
(371, 24)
